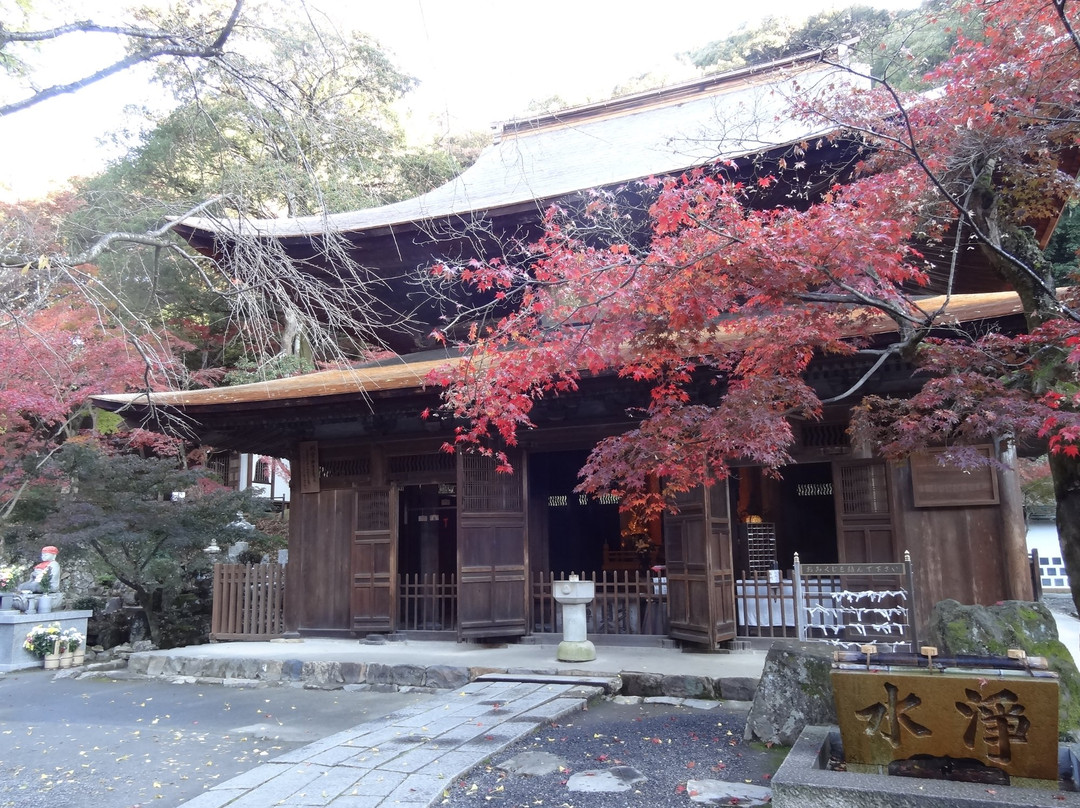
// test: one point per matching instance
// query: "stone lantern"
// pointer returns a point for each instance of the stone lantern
(573, 595)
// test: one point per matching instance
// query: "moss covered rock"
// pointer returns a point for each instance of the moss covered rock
(959, 629)
(795, 690)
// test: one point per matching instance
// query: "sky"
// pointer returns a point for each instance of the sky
(478, 61)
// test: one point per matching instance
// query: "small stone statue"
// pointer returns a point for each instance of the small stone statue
(49, 565)
(37, 584)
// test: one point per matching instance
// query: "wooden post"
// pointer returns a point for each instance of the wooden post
(797, 599)
(909, 584)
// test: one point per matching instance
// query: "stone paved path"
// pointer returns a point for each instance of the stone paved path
(408, 759)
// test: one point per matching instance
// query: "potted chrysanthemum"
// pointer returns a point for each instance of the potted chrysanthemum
(75, 645)
(9, 579)
(43, 641)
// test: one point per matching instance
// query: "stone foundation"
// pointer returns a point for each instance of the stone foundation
(14, 627)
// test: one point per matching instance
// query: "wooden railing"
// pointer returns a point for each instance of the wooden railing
(427, 602)
(626, 602)
(841, 603)
(249, 602)
(764, 607)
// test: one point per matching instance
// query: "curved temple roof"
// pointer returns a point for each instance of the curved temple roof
(662, 132)
(655, 133)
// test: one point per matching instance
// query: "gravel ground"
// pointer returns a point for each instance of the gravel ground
(1059, 602)
(669, 745)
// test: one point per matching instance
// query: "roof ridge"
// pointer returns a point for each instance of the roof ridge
(662, 96)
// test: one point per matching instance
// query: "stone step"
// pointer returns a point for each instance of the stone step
(611, 684)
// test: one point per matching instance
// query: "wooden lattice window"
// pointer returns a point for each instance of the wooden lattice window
(219, 464)
(261, 472)
(359, 466)
(864, 490)
(373, 510)
(407, 465)
(760, 545)
(822, 436)
(484, 490)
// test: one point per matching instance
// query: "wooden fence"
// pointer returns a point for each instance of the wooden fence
(427, 602)
(626, 602)
(249, 601)
(840, 603)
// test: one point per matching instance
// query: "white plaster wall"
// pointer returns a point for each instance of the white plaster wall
(1042, 536)
(281, 483)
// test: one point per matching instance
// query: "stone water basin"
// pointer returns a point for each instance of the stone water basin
(806, 780)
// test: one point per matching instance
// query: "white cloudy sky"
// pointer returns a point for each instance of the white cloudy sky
(479, 62)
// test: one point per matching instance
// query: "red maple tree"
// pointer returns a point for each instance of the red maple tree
(52, 359)
(739, 295)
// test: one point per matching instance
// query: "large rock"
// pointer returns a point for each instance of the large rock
(688, 687)
(446, 677)
(636, 683)
(958, 629)
(795, 690)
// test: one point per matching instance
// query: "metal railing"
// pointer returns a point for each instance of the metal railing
(845, 604)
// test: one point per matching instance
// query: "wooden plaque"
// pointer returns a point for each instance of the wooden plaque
(309, 467)
(937, 486)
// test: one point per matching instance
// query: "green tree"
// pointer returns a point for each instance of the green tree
(272, 111)
(900, 46)
(298, 120)
(121, 511)
(1064, 246)
(191, 31)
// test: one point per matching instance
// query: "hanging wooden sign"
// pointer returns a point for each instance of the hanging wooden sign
(937, 486)
(309, 467)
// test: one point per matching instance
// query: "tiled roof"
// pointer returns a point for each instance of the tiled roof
(655, 133)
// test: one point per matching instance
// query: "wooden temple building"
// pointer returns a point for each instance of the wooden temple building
(388, 533)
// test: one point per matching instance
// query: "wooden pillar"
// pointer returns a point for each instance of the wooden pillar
(294, 569)
(1013, 527)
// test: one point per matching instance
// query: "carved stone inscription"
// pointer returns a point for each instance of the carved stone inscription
(888, 719)
(1010, 723)
(1000, 716)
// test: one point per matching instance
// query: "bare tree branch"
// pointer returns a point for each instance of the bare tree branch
(175, 48)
